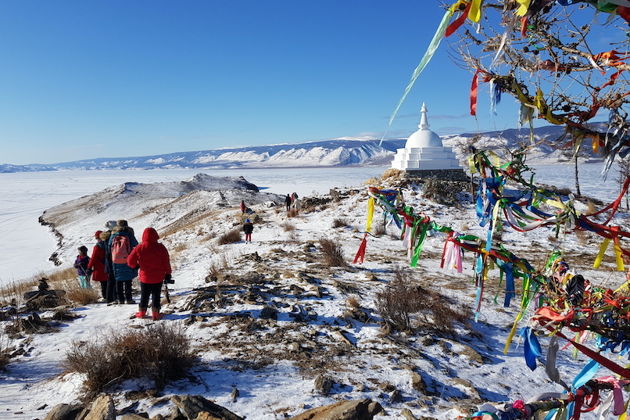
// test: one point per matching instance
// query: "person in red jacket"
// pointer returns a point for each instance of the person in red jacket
(97, 265)
(155, 267)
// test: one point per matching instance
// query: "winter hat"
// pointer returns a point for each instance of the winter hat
(97, 234)
(110, 225)
(247, 221)
(83, 249)
(122, 223)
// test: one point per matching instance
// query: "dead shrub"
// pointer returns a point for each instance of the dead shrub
(230, 237)
(82, 296)
(407, 307)
(333, 253)
(337, 223)
(353, 302)
(288, 226)
(392, 173)
(442, 191)
(294, 212)
(161, 352)
(372, 181)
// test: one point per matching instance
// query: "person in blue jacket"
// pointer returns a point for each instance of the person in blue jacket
(121, 242)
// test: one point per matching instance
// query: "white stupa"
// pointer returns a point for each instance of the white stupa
(424, 154)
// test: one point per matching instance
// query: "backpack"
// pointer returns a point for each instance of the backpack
(120, 249)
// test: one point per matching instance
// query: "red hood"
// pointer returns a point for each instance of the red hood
(150, 235)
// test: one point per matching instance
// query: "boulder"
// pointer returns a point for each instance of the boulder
(132, 416)
(343, 410)
(417, 382)
(323, 384)
(268, 312)
(190, 406)
(64, 412)
(102, 408)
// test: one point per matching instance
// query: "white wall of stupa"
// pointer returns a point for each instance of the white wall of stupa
(424, 150)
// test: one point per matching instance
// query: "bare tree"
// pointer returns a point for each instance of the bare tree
(551, 58)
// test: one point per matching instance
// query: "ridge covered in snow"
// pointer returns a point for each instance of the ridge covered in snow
(326, 153)
(159, 204)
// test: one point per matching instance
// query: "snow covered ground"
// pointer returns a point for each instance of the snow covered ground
(457, 373)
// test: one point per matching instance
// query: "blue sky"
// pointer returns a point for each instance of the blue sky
(84, 79)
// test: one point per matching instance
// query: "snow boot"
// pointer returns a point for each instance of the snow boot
(141, 313)
(155, 314)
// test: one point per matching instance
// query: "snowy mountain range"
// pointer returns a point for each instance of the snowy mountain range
(326, 153)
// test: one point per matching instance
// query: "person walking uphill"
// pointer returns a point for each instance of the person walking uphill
(155, 266)
(248, 228)
(81, 264)
(97, 267)
(243, 207)
(121, 243)
(287, 202)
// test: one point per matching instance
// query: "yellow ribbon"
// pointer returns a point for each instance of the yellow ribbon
(523, 6)
(370, 214)
(619, 257)
(475, 11)
(600, 255)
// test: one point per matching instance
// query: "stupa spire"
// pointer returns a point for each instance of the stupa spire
(424, 123)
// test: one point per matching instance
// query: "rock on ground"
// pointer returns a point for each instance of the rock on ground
(344, 410)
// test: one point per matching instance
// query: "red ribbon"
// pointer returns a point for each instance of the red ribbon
(473, 93)
(459, 21)
(361, 252)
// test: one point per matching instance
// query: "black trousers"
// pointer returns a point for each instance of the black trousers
(153, 290)
(126, 294)
(111, 289)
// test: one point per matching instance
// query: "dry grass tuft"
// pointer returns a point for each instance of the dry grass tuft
(293, 213)
(353, 302)
(407, 307)
(339, 223)
(82, 296)
(160, 352)
(372, 181)
(333, 253)
(287, 226)
(231, 237)
(392, 173)
(178, 247)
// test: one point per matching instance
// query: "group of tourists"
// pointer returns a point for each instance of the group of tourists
(117, 259)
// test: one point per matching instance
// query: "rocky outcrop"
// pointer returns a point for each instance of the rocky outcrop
(344, 410)
(102, 409)
(196, 407)
(64, 412)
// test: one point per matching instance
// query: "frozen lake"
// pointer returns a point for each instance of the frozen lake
(26, 245)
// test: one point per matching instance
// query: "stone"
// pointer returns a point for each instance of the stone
(268, 312)
(191, 405)
(64, 412)
(364, 409)
(133, 416)
(102, 409)
(323, 384)
(417, 382)
(395, 396)
(407, 414)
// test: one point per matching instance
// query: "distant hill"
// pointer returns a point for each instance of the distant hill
(324, 153)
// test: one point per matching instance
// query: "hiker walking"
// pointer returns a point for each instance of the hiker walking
(248, 228)
(111, 279)
(121, 242)
(295, 204)
(287, 202)
(243, 207)
(97, 267)
(81, 264)
(155, 266)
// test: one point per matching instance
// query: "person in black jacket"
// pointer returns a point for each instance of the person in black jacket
(287, 202)
(248, 228)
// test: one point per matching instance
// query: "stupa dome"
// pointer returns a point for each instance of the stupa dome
(424, 137)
